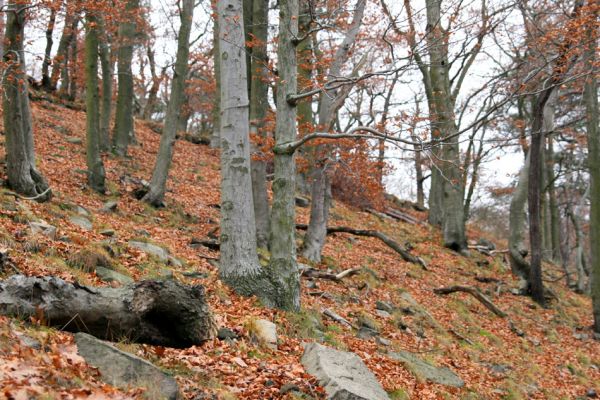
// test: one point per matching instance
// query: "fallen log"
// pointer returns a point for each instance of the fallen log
(164, 313)
(338, 318)
(406, 256)
(399, 215)
(475, 293)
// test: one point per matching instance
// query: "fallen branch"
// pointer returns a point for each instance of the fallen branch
(315, 273)
(406, 256)
(17, 195)
(399, 215)
(164, 313)
(338, 318)
(475, 293)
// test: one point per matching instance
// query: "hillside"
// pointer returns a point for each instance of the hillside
(532, 353)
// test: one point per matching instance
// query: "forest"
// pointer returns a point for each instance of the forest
(299, 199)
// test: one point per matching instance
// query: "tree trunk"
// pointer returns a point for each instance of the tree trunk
(2, 27)
(71, 68)
(329, 104)
(517, 218)
(259, 105)
(123, 131)
(215, 139)
(580, 266)
(106, 65)
(62, 53)
(23, 176)
(555, 238)
(156, 81)
(161, 313)
(158, 183)
(593, 138)
(48, 51)
(239, 267)
(283, 269)
(95, 167)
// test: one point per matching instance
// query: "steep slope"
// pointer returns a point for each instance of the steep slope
(533, 353)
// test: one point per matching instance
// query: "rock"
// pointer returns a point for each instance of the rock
(383, 341)
(302, 202)
(29, 341)
(383, 314)
(109, 206)
(486, 244)
(81, 222)
(592, 394)
(74, 140)
(82, 211)
(265, 332)
(343, 375)
(175, 262)
(108, 275)
(43, 228)
(226, 334)
(366, 333)
(122, 369)
(581, 336)
(499, 369)
(425, 370)
(384, 306)
(152, 249)
(289, 387)
(108, 232)
(367, 322)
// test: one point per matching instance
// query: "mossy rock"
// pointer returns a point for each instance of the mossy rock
(88, 258)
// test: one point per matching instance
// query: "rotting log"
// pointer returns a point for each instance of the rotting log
(406, 256)
(164, 313)
(475, 293)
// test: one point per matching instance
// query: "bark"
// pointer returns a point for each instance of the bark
(123, 133)
(517, 218)
(258, 111)
(2, 27)
(23, 176)
(158, 183)
(555, 238)
(593, 139)
(283, 269)
(215, 139)
(106, 65)
(580, 262)
(161, 313)
(329, 104)
(48, 51)
(239, 267)
(95, 167)
(156, 81)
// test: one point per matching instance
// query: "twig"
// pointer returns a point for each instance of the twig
(338, 318)
(10, 192)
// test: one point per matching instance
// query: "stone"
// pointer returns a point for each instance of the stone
(366, 333)
(592, 394)
(383, 314)
(383, 341)
(175, 262)
(43, 228)
(82, 211)
(108, 275)
(226, 334)
(343, 375)
(152, 249)
(109, 206)
(265, 332)
(424, 370)
(125, 370)
(28, 341)
(108, 232)
(384, 306)
(74, 140)
(81, 222)
(289, 387)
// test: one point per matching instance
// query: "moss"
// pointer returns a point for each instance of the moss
(90, 257)
(306, 324)
(399, 394)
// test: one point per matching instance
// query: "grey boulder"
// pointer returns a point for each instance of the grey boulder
(152, 249)
(125, 370)
(424, 370)
(343, 375)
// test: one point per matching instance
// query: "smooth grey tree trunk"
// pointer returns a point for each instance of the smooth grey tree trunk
(215, 138)
(593, 139)
(329, 104)
(158, 183)
(283, 269)
(61, 57)
(23, 176)
(95, 167)
(517, 218)
(106, 65)
(259, 106)
(239, 266)
(123, 133)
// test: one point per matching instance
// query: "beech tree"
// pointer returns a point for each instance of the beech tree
(156, 192)
(23, 176)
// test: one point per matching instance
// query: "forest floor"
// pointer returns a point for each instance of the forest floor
(533, 353)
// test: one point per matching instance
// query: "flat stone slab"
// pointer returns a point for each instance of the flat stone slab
(343, 375)
(125, 370)
(425, 370)
(82, 222)
(161, 253)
